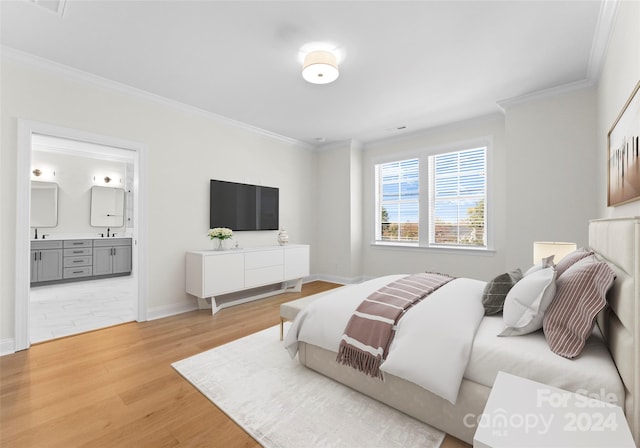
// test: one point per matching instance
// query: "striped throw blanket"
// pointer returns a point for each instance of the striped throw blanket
(371, 328)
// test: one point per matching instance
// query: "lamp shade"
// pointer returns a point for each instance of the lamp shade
(320, 67)
(544, 249)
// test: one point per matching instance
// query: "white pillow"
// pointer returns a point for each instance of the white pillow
(527, 302)
(545, 263)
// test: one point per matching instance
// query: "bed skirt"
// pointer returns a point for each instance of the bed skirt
(458, 420)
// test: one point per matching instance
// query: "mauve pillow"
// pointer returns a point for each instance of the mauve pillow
(580, 296)
(570, 259)
(496, 291)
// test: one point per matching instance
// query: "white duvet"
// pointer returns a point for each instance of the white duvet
(433, 340)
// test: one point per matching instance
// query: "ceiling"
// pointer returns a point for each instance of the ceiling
(410, 65)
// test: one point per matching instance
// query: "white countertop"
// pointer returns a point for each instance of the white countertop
(78, 236)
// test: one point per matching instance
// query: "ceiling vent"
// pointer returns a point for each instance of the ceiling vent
(54, 6)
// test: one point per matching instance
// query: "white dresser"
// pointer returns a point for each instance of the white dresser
(224, 278)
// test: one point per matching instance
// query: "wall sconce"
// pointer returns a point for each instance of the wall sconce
(106, 179)
(37, 172)
(544, 249)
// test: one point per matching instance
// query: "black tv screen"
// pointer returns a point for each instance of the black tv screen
(243, 206)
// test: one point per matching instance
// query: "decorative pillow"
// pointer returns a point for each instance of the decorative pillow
(496, 291)
(527, 302)
(581, 294)
(570, 259)
(546, 263)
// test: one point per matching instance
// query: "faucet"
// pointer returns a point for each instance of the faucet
(36, 237)
(108, 232)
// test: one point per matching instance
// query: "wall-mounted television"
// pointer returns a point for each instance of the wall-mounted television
(243, 206)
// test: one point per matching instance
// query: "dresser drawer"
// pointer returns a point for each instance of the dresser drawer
(75, 272)
(76, 252)
(263, 259)
(44, 244)
(263, 276)
(77, 243)
(78, 261)
(110, 242)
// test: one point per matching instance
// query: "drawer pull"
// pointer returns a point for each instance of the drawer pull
(77, 261)
(78, 272)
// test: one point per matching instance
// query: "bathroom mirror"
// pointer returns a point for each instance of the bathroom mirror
(44, 204)
(107, 207)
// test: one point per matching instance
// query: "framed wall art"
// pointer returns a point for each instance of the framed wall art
(624, 153)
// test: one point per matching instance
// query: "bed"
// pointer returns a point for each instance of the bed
(608, 364)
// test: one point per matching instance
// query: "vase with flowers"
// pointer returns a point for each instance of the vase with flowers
(220, 234)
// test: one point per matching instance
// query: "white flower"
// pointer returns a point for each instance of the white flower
(221, 233)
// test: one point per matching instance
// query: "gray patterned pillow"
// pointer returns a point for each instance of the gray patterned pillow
(496, 291)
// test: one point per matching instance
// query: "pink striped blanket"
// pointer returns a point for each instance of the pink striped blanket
(370, 330)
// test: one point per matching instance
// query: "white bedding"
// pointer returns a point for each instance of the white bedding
(451, 314)
(529, 356)
(453, 355)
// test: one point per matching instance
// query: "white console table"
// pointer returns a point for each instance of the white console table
(224, 278)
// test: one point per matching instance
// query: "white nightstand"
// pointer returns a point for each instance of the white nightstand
(523, 413)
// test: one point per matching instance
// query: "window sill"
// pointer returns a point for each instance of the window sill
(483, 252)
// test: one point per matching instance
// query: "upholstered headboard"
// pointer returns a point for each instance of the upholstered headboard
(617, 241)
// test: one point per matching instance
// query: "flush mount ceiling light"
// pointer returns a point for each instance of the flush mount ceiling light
(320, 67)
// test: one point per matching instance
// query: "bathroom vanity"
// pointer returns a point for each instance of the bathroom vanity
(58, 261)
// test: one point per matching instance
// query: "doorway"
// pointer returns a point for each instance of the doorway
(69, 142)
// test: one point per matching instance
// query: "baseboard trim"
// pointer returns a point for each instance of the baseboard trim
(337, 279)
(170, 310)
(7, 347)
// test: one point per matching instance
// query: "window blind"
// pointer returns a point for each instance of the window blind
(457, 215)
(398, 198)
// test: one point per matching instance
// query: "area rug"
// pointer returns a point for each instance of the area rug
(282, 404)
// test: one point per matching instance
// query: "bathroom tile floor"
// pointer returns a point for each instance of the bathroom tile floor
(71, 308)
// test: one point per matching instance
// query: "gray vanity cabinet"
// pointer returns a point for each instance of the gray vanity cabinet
(57, 261)
(46, 261)
(112, 256)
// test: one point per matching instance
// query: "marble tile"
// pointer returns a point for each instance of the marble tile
(71, 308)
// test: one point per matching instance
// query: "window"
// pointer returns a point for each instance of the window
(450, 211)
(398, 193)
(457, 198)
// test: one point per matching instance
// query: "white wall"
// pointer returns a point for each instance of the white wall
(185, 149)
(548, 172)
(620, 74)
(74, 176)
(338, 205)
(551, 172)
(357, 208)
(379, 260)
(542, 170)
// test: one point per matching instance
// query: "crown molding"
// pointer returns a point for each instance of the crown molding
(89, 78)
(504, 105)
(599, 46)
(601, 38)
(434, 130)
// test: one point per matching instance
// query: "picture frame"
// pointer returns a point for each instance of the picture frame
(623, 144)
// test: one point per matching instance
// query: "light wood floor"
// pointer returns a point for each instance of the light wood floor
(116, 387)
